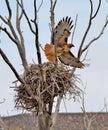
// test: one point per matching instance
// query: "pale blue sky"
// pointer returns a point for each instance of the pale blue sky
(95, 77)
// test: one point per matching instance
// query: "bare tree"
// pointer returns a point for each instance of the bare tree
(42, 82)
(89, 118)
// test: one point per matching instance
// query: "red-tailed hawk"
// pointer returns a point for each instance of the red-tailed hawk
(60, 38)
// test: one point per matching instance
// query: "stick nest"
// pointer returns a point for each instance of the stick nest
(55, 81)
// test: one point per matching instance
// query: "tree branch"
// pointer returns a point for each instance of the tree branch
(10, 65)
(39, 6)
(87, 30)
(36, 28)
(20, 17)
(9, 20)
(97, 37)
(9, 9)
(74, 28)
(19, 46)
(3, 20)
(89, 25)
(55, 2)
(18, 21)
(54, 116)
(8, 34)
(52, 19)
(34, 31)
(37, 34)
(13, 34)
(97, 9)
(26, 16)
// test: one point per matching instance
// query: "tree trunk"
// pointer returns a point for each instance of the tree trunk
(44, 121)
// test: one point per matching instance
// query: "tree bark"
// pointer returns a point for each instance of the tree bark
(44, 121)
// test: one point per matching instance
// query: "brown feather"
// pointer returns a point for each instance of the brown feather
(62, 31)
(49, 51)
(69, 59)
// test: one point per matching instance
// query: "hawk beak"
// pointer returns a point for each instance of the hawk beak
(70, 45)
(73, 45)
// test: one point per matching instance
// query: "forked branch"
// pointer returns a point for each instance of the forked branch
(26, 16)
(97, 37)
(8, 34)
(91, 17)
(34, 31)
(12, 33)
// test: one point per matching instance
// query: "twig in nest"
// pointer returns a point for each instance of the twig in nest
(57, 82)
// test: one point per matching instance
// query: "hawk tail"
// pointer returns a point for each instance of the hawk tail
(49, 52)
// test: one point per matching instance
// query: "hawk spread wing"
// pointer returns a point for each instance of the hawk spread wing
(69, 59)
(62, 31)
(60, 37)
